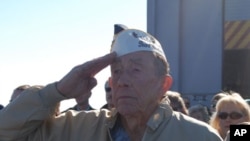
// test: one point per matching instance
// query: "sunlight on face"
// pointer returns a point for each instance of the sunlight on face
(136, 87)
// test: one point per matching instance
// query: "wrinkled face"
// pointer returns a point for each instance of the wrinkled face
(135, 85)
(225, 120)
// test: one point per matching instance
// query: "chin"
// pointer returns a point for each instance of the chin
(125, 111)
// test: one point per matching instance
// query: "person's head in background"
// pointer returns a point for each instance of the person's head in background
(108, 92)
(16, 92)
(177, 102)
(230, 109)
(82, 103)
(215, 99)
(199, 112)
(186, 101)
(248, 101)
(1, 107)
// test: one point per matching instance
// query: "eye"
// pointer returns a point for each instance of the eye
(116, 71)
(136, 70)
(236, 115)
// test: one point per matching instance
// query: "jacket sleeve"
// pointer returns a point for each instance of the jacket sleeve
(24, 115)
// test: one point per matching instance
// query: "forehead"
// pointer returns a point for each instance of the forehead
(229, 106)
(139, 58)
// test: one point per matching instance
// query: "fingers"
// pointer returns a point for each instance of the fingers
(81, 78)
(91, 68)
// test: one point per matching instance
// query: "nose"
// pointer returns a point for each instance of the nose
(123, 80)
(228, 119)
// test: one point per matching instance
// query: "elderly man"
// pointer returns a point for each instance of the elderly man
(139, 79)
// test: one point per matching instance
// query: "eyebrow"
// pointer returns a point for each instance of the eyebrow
(137, 61)
(132, 60)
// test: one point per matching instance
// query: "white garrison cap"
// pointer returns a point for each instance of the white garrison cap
(133, 40)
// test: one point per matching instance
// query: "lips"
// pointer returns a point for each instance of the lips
(125, 97)
(125, 94)
(227, 126)
(125, 100)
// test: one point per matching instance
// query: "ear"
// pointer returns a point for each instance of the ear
(167, 83)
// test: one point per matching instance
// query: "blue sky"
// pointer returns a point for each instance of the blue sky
(40, 41)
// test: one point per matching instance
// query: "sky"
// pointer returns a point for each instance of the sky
(42, 40)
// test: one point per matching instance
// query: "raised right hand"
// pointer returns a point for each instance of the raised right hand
(80, 80)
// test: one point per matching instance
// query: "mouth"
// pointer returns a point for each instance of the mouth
(125, 99)
(227, 126)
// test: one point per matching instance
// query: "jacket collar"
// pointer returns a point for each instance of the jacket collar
(162, 113)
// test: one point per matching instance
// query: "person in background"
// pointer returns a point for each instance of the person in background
(1, 107)
(248, 101)
(17, 91)
(177, 102)
(139, 79)
(199, 112)
(230, 109)
(215, 99)
(227, 138)
(82, 103)
(108, 92)
(186, 101)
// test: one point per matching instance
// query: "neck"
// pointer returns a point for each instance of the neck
(83, 106)
(136, 124)
(223, 135)
(135, 127)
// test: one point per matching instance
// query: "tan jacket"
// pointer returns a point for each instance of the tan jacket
(30, 118)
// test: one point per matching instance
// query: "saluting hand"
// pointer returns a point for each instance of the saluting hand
(80, 80)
